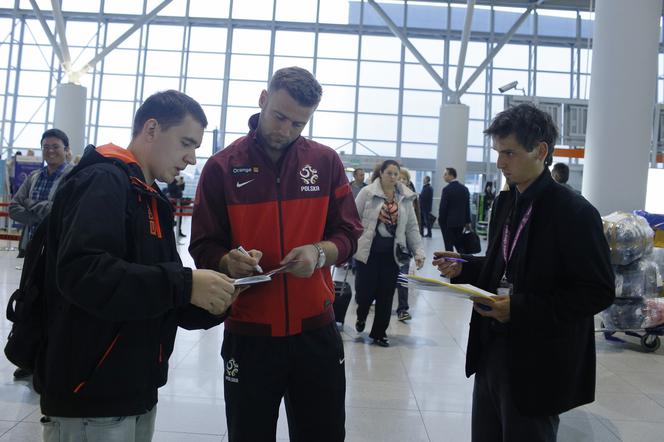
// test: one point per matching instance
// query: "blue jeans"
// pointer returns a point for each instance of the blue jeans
(100, 429)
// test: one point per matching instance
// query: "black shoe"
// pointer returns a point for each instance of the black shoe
(21, 373)
(359, 326)
(403, 316)
(182, 235)
(428, 235)
(383, 342)
(21, 254)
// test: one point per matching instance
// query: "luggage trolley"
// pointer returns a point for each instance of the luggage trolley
(625, 311)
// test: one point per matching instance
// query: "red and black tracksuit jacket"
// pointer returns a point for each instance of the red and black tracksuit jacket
(244, 198)
(116, 291)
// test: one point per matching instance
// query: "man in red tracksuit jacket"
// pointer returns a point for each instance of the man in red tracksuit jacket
(287, 200)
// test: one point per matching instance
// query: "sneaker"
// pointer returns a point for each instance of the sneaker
(383, 342)
(21, 373)
(404, 316)
(359, 326)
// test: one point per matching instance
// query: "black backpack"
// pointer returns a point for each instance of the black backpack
(27, 305)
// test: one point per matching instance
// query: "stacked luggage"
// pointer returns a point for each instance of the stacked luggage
(638, 267)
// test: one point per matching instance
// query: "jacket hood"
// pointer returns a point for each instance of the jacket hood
(110, 153)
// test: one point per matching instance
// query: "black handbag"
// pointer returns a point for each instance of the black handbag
(470, 242)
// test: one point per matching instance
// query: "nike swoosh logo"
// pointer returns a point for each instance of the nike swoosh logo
(238, 184)
(341, 361)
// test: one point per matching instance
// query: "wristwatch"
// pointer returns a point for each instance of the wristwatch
(321, 256)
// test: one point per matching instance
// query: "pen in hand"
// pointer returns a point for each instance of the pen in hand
(245, 253)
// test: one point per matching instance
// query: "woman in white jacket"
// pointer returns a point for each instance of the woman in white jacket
(391, 237)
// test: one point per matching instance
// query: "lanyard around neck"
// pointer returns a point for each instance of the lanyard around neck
(507, 236)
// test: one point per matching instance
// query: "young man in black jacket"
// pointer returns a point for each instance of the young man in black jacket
(454, 210)
(426, 204)
(115, 286)
(533, 350)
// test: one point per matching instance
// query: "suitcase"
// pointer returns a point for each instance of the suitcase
(342, 297)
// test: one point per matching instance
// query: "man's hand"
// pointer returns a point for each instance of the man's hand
(499, 310)
(448, 269)
(212, 291)
(304, 260)
(238, 265)
(419, 263)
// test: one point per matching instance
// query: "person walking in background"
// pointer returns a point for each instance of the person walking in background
(358, 181)
(402, 292)
(560, 174)
(426, 205)
(33, 200)
(390, 240)
(454, 210)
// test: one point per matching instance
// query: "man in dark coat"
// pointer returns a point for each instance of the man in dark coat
(532, 349)
(426, 204)
(454, 210)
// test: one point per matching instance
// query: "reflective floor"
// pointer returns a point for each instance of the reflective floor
(414, 390)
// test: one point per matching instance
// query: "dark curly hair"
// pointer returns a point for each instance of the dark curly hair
(529, 125)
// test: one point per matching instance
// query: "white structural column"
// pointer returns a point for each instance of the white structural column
(622, 97)
(70, 102)
(452, 144)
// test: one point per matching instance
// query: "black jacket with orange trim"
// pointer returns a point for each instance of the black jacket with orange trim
(116, 291)
(244, 198)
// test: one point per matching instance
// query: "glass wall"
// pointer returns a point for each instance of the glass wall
(378, 100)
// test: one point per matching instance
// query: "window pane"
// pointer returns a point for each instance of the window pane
(80, 5)
(253, 10)
(379, 74)
(475, 53)
(553, 85)
(294, 43)
(156, 84)
(33, 57)
(512, 56)
(213, 115)
(381, 149)
(337, 45)
(553, 59)
(245, 93)
(208, 39)
(381, 48)
(422, 103)
(416, 77)
(339, 98)
(118, 87)
(475, 135)
(163, 63)
(475, 154)
(82, 33)
(206, 65)
(285, 62)
(116, 135)
(33, 83)
(206, 8)
(251, 41)
(332, 124)
(423, 130)
(28, 136)
(296, 10)
(30, 109)
(336, 72)
(478, 85)
(123, 7)
(165, 37)
(249, 67)
(114, 30)
(205, 91)
(121, 61)
(334, 11)
(427, 151)
(433, 51)
(116, 113)
(377, 127)
(384, 101)
(476, 104)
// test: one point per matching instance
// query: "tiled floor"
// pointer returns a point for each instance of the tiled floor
(413, 391)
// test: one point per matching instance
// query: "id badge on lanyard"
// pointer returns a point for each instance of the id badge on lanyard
(504, 286)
